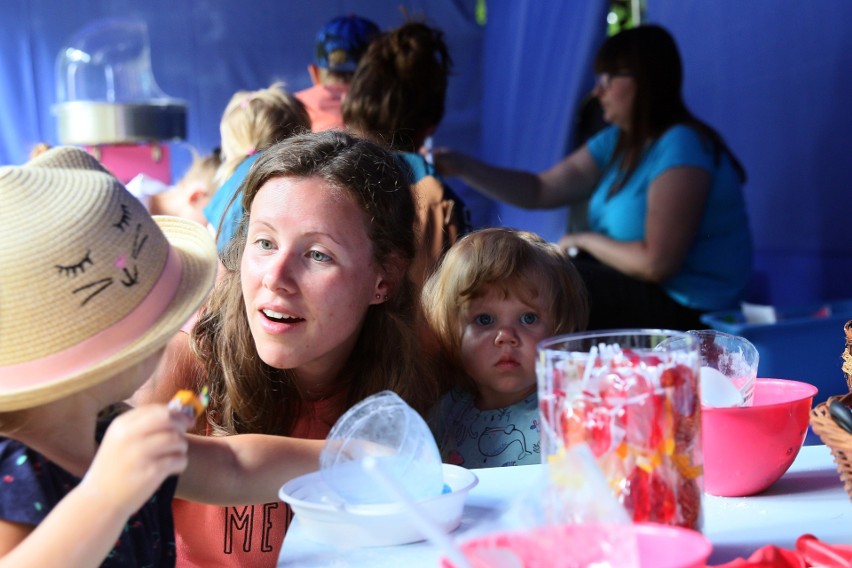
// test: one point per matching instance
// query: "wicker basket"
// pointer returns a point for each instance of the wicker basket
(838, 440)
(847, 354)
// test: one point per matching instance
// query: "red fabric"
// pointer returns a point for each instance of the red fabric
(810, 552)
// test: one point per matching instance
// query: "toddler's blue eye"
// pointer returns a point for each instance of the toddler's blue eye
(483, 319)
(529, 318)
(319, 256)
(264, 244)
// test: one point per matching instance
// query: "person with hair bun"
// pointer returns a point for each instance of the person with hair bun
(397, 98)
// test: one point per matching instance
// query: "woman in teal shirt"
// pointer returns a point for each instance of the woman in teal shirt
(668, 236)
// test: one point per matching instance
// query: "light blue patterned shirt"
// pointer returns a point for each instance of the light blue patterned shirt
(474, 438)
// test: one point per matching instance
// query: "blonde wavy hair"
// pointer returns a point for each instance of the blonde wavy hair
(255, 120)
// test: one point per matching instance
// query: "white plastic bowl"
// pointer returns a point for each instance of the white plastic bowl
(329, 521)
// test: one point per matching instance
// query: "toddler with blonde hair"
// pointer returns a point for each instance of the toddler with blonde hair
(495, 294)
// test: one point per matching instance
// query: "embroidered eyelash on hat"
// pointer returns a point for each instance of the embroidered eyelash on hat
(90, 284)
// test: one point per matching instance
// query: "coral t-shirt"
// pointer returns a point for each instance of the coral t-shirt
(323, 105)
(208, 536)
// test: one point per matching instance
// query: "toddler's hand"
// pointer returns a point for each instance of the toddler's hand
(141, 448)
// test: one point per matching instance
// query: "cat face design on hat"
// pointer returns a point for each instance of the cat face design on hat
(98, 256)
(90, 284)
(123, 262)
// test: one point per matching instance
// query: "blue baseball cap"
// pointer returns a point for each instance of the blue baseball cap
(342, 41)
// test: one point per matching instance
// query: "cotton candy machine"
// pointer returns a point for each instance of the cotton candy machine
(109, 102)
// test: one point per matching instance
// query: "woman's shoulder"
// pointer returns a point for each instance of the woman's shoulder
(682, 145)
(603, 144)
(689, 138)
(607, 136)
(417, 164)
(682, 132)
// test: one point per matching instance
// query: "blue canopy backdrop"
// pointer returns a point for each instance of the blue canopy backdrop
(773, 76)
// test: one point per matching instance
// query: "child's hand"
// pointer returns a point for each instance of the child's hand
(140, 449)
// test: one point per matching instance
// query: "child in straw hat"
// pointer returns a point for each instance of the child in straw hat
(91, 289)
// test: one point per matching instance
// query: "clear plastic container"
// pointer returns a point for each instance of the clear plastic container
(106, 91)
(396, 436)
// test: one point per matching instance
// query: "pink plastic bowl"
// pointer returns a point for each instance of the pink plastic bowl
(748, 449)
(564, 546)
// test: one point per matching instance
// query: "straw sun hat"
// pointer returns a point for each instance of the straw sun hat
(90, 283)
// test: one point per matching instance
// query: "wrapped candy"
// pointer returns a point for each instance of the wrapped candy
(634, 399)
(190, 403)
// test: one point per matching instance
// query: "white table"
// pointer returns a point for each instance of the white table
(808, 499)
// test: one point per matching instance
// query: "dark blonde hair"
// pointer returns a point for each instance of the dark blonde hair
(255, 120)
(247, 395)
(399, 89)
(203, 169)
(512, 261)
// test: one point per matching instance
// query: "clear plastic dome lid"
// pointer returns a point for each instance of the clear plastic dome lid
(109, 61)
(106, 92)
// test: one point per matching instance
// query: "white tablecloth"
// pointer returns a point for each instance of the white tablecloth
(808, 499)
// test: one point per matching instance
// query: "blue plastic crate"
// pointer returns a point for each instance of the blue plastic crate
(800, 346)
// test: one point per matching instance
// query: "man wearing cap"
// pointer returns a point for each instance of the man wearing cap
(340, 44)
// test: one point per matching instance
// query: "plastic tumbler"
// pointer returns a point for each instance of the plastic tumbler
(633, 396)
(734, 357)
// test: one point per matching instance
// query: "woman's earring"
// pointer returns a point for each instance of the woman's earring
(379, 296)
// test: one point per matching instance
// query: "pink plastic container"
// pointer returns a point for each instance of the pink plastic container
(637, 545)
(747, 449)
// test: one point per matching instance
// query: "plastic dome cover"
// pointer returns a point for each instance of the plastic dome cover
(106, 92)
(110, 61)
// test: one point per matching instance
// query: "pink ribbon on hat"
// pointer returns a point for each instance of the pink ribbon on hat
(103, 344)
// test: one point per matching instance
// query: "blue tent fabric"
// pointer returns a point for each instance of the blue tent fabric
(773, 76)
(538, 66)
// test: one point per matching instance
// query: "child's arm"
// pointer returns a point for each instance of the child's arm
(244, 469)
(140, 449)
